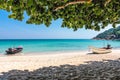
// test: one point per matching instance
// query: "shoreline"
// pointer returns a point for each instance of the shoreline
(35, 61)
(58, 52)
(47, 53)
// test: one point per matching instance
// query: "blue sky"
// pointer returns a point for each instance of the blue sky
(13, 29)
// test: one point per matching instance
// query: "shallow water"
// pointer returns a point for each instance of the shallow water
(54, 45)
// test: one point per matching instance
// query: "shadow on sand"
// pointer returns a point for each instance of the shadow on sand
(92, 70)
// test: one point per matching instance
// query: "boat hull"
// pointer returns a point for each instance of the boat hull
(100, 50)
(17, 50)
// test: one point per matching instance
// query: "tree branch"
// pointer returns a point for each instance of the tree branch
(108, 1)
(71, 3)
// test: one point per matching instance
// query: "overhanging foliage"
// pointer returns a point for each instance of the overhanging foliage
(91, 14)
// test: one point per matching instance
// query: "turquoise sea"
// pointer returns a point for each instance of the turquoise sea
(54, 45)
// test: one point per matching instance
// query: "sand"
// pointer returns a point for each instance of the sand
(35, 61)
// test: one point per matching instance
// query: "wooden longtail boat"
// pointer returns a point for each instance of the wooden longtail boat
(100, 50)
(13, 50)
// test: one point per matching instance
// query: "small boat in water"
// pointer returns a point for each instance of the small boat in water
(100, 50)
(14, 50)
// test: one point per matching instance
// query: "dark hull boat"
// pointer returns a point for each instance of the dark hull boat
(14, 50)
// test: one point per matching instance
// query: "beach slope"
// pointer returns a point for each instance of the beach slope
(32, 62)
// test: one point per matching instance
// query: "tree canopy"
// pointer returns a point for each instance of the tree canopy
(90, 14)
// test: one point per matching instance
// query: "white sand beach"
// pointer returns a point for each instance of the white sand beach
(31, 62)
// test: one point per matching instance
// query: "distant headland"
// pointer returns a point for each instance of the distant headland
(111, 34)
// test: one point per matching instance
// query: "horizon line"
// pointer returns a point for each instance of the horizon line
(42, 38)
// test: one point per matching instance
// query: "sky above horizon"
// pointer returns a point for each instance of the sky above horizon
(13, 29)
